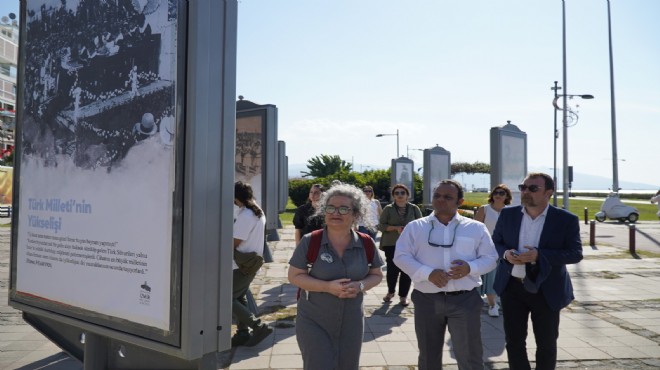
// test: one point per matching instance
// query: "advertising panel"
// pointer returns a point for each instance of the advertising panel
(437, 167)
(97, 156)
(513, 152)
(249, 145)
(402, 173)
(6, 184)
(257, 157)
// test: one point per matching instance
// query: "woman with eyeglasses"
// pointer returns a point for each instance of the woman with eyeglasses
(498, 198)
(393, 219)
(330, 318)
(369, 225)
(304, 220)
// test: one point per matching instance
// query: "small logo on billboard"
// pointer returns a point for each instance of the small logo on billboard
(145, 294)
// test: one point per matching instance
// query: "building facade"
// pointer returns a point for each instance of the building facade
(8, 74)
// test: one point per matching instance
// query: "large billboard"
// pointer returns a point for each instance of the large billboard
(96, 222)
(402, 173)
(508, 158)
(437, 167)
(257, 158)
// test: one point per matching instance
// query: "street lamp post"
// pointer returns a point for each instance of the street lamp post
(555, 133)
(408, 149)
(565, 110)
(397, 140)
(615, 162)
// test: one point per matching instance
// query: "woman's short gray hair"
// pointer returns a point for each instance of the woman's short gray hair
(359, 201)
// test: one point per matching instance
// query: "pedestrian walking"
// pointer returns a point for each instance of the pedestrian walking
(535, 242)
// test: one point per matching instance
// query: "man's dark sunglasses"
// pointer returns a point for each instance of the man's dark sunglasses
(453, 238)
(531, 188)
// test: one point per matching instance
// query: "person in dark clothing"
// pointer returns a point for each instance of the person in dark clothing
(304, 219)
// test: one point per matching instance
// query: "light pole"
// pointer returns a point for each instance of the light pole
(397, 140)
(565, 110)
(555, 133)
(409, 149)
(615, 162)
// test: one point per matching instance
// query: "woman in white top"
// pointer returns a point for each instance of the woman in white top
(499, 198)
(369, 224)
(249, 231)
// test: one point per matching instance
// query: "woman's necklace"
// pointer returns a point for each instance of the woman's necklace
(401, 211)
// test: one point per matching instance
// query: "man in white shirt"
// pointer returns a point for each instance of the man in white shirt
(445, 255)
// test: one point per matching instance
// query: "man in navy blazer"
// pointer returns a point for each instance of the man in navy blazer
(535, 242)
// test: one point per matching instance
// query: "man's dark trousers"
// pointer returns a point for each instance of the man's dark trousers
(517, 304)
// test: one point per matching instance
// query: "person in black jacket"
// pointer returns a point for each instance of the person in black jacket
(304, 219)
(535, 242)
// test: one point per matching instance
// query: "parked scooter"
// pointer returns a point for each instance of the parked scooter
(614, 209)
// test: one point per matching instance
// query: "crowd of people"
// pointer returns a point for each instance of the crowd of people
(454, 263)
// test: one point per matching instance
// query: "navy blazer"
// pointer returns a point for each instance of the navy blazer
(559, 245)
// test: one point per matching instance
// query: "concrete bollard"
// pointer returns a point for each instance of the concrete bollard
(631, 244)
(592, 233)
(586, 216)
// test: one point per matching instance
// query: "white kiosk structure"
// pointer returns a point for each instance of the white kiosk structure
(508, 158)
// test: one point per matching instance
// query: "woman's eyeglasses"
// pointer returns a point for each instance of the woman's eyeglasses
(531, 188)
(367, 191)
(343, 210)
(399, 192)
(453, 238)
(499, 192)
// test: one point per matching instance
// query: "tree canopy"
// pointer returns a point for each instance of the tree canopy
(326, 165)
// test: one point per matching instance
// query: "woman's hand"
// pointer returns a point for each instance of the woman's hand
(351, 290)
(338, 287)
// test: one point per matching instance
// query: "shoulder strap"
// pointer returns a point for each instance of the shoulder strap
(369, 247)
(314, 246)
(312, 252)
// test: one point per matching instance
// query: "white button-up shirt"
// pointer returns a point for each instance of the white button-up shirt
(469, 240)
(530, 235)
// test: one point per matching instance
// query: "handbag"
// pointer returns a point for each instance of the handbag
(248, 263)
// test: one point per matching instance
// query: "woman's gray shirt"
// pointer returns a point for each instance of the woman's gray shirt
(330, 329)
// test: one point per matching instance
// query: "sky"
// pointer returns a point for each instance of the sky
(445, 72)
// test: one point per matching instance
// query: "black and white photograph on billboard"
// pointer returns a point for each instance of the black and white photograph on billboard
(249, 146)
(404, 175)
(97, 157)
(513, 160)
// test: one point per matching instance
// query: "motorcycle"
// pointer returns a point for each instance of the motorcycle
(614, 209)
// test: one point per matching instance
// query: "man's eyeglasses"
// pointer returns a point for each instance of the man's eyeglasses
(399, 193)
(453, 238)
(531, 188)
(501, 192)
(343, 210)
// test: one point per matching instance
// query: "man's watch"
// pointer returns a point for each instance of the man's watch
(362, 287)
